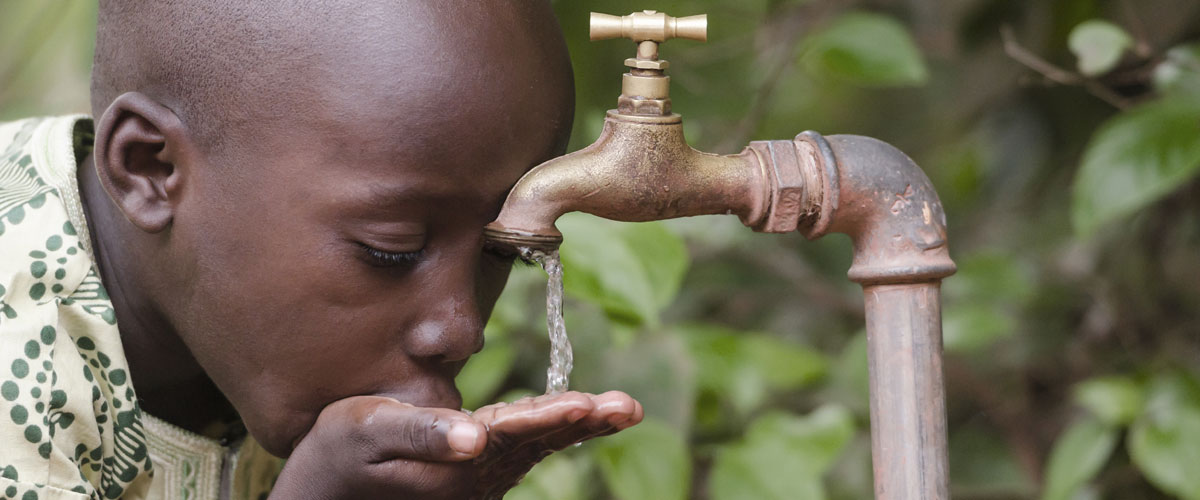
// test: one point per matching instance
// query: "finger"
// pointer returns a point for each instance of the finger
(531, 418)
(614, 411)
(390, 429)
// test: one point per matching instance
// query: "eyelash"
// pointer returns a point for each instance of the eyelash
(390, 259)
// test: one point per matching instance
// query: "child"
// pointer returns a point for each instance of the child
(276, 220)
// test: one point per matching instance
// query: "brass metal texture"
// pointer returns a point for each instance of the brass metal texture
(639, 169)
(648, 25)
(646, 87)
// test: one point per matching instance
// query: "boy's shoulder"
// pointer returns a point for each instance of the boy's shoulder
(69, 421)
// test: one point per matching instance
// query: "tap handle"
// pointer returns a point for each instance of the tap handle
(649, 25)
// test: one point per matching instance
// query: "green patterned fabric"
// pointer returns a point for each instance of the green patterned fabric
(70, 427)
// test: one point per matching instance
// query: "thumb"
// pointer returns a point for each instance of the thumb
(395, 430)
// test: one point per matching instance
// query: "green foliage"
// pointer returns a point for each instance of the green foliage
(1134, 159)
(866, 49)
(631, 270)
(1078, 455)
(1114, 400)
(560, 477)
(647, 462)
(782, 456)
(1165, 441)
(1098, 45)
(1179, 72)
(744, 366)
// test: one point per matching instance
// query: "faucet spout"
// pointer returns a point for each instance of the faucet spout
(639, 169)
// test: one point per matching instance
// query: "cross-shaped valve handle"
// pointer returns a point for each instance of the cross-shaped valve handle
(649, 25)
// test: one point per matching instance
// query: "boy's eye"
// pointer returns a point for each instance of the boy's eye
(383, 258)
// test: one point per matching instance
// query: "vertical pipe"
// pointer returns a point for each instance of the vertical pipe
(908, 409)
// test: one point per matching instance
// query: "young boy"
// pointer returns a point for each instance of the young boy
(276, 220)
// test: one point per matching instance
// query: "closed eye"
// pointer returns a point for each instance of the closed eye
(383, 258)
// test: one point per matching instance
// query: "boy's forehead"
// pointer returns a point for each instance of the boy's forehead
(439, 84)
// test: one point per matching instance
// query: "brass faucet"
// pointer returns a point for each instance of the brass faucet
(641, 168)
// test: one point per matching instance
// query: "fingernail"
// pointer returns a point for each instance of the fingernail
(462, 437)
(574, 415)
(618, 418)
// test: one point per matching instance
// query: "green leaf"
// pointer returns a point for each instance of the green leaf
(782, 456)
(558, 477)
(1114, 400)
(1164, 442)
(484, 373)
(631, 270)
(1134, 159)
(742, 366)
(1098, 45)
(649, 461)
(866, 49)
(974, 327)
(1179, 72)
(1077, 456)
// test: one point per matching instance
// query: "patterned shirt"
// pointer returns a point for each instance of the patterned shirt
(70, 426)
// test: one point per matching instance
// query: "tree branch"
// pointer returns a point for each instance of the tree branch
(1057, 74)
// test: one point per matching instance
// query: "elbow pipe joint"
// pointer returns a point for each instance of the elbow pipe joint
(875, 194)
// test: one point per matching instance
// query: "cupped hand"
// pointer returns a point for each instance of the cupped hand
(376, 447)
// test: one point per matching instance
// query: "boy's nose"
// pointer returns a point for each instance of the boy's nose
(451, 333)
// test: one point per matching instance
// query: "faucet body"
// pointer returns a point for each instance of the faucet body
(641, 168)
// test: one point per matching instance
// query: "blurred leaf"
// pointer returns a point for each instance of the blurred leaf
(1077, 456)
(631, 270)
(484, 372)
(648, 461)
(991, 276)
(1179, 72)
(1134, 159)
(866, 49)
(558, 477)
(850, 381)
(1114, 400)
(1098, 45)
(741, 366)
(982, 465)
(658, 370)
(1164, 441)
(973, 327)
(783, 456)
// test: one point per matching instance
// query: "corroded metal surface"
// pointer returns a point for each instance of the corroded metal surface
(908, 405)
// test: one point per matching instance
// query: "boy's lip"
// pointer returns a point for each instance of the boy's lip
(428, 396)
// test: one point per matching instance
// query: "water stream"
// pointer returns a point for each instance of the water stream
(561, 356)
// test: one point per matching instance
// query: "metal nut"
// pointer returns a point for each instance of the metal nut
(782, 166)
(646, 64)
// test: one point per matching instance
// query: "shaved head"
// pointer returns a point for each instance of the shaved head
(227, 66)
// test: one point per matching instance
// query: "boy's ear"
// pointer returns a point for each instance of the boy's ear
(139, 145)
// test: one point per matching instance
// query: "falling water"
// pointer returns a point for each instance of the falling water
(561, 357)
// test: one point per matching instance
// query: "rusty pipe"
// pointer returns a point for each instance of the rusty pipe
(888, 207)
(641, 169)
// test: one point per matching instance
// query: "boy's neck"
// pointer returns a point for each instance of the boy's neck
(170, 384)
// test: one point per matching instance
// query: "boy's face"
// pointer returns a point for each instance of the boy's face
(335, 248)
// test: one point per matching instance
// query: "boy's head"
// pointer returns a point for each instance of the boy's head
(304, 187)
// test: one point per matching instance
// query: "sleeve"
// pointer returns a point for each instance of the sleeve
(69, 424)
